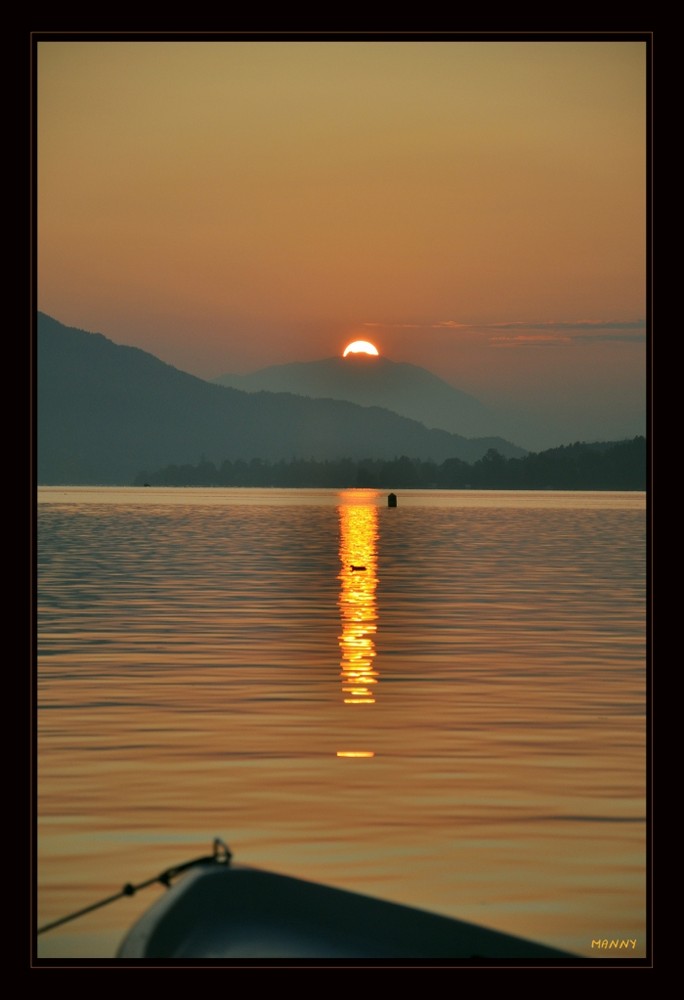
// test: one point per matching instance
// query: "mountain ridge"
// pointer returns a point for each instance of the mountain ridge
(106, 412)
(404, 388)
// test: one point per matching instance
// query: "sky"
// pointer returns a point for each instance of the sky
(474, 207)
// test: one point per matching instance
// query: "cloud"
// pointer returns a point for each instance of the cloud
(547, 333)
(554, 332)
(398, 326)
(451, 324)
(584, 330)
(533, 339)
(580, 324)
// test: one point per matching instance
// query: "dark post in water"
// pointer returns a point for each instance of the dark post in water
(392, 500)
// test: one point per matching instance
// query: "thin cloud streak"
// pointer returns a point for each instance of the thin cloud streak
(548, 332)
(581, 324)
(532, 339)
(399, 326)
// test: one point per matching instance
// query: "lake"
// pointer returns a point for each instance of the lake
(441, 704)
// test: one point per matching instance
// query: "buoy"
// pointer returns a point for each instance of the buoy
(392, 500)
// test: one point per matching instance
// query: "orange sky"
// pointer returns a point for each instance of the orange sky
(478, 208)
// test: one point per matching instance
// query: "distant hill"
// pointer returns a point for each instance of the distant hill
(105, 413)
(421, 395)
(403, 388)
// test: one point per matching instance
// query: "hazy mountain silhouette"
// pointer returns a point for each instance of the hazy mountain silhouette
(405, 389)
(107, 412)
(414, 392)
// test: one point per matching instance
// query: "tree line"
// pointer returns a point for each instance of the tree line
(619, 465)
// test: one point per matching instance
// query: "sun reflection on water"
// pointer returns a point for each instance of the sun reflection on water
(358, 608)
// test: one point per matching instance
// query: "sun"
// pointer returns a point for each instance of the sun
(360, 347)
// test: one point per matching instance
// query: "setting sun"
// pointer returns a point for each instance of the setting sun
(360, 347)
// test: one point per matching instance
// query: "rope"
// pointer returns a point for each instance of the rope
(221, 855)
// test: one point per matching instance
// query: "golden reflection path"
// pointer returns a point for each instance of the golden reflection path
(358, 578)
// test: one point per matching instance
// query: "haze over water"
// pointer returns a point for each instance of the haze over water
(456, 723)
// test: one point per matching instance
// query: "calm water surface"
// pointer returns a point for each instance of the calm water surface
(441, 704)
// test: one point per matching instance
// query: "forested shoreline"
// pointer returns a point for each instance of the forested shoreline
(618, 465)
